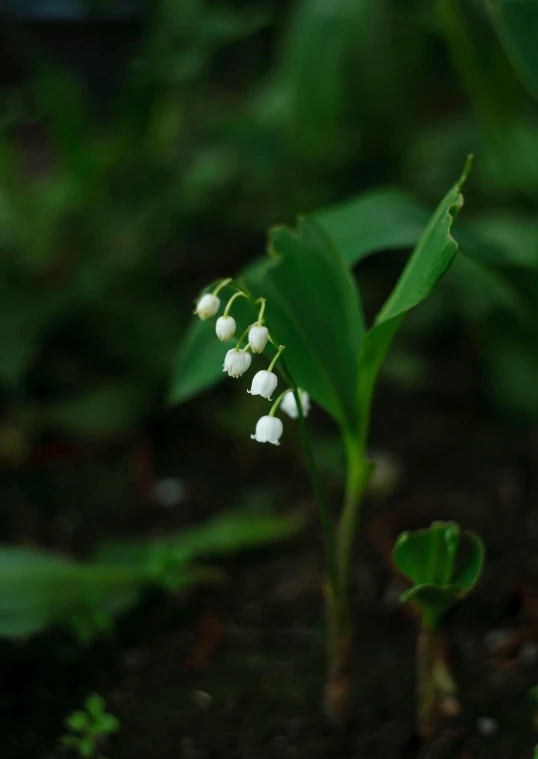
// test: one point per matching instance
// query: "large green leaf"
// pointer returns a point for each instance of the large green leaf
(38, 589)
(226, 534)
(314, 310)
(315, 73)
(374, 221)
(516, 23)
(430, 260)
(313, 306)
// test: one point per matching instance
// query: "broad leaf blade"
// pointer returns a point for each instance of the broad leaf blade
(38, 590)
(313, 309)
(200, 359)
(468, 570)
(374, 221)
(432, 600)
(516, 24)
(430, 260)
(442, 565)
(226, 534)
(426, 556)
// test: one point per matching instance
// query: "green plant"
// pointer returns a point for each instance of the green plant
(444, 565)
(306, 299)
(40, 590)
(90, 728)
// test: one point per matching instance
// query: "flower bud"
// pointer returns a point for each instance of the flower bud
(236, 362)
(288, 403)
(225, 328)
(258, 337)
(207, 306)
(269, 429)
(263, 383)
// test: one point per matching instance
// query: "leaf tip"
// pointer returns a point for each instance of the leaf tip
(466, 170)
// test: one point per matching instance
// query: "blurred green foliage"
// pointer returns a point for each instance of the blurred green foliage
(234, 116)
(40, 590)
(90, 728)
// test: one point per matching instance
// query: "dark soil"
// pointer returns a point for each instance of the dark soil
(238, 672)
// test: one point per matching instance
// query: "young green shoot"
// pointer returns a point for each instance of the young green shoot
(89, 728)
(444, 565)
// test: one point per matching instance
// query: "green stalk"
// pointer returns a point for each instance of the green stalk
(337, 605)
(338, 609)
(427, 711)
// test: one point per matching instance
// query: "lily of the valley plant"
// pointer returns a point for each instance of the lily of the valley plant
(303, 296)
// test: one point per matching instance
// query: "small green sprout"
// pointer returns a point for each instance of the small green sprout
(90, 728)
(444, 565)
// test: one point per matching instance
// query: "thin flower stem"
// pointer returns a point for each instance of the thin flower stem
(245, 333)
(276, 404)
(327, 526)
(325, 515)
(262, 310)
(239, 294)
(275, 359)
(427, 695)
(221, 285)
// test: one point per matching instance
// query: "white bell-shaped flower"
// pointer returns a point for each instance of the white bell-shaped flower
(258, 337)
(288, 404)
(264, 383)
(269, 429)
(207, 306)
(236, 362)
(225, 328)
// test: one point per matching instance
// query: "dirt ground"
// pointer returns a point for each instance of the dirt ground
(237, 672)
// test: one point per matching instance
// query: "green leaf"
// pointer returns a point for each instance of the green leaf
(429, 261)
(199, 361)
(307, 99)
(307, 283)
(87, 746)
(62, 102)
(225, 534)
(38, 590)
(426, 556)
(95, 704)
(313, 309)
(442, 564)
(374, 221)
(109, 724)
(516, 23)
(78, 721)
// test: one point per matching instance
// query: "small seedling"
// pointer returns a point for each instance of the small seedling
(90, 728)
(444, 565)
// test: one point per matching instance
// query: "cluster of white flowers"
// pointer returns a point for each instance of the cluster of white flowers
(237, 361)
